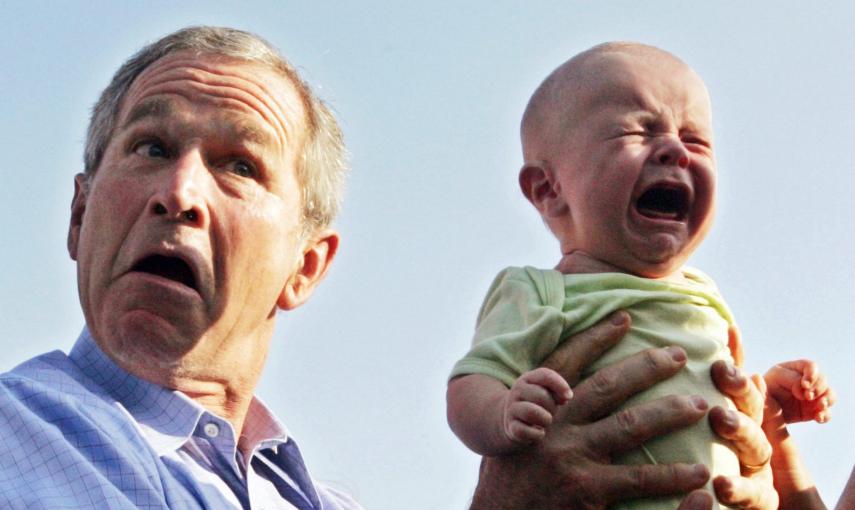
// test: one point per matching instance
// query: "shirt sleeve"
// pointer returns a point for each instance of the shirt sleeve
(519, 325)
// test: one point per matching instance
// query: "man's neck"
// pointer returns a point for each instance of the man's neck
(220, 376)
(228, 400)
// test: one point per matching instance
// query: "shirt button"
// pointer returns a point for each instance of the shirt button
(211, 430)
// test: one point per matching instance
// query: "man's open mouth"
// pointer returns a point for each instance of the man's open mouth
(172, 268)
(665, 201)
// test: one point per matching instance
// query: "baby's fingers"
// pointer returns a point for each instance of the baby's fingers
(551, 381)
(524, 433)
(784, 381)
(811, 384)
(815, 388)
(822, 413)
(529, 414)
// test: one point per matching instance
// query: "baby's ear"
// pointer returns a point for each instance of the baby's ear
(542, 189)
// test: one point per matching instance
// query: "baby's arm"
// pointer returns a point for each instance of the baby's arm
(795, 391)
(492, 419)
(792, 480)
(800, 390)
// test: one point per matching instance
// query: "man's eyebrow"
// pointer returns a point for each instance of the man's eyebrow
(156, 108)
(251, 134)
(160, 108)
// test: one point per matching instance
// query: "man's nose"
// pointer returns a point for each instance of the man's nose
(672, 151)
(180, 193)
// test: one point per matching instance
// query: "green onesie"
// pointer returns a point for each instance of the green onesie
(528, 312)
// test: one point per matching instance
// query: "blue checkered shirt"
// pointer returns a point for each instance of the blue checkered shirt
(77, 431)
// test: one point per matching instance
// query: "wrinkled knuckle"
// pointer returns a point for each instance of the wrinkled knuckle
(598, 333)
(630, 425)
(680, 475)
(652, 360)
(678, 404)
(741, 383)
(638, 477)
(603, 383)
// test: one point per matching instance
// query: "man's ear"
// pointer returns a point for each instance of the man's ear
(542, 189)
(78, 207)
(318, 254)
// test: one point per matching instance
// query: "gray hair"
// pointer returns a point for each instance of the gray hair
(322, 164)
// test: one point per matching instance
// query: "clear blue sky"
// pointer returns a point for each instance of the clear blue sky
(430, 98)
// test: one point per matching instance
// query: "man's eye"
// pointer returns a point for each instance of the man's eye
(242, 168)
(150, 150)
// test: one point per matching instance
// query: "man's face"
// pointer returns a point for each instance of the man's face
(188, 235)
(637, 169)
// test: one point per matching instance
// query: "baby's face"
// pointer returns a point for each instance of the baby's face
(637, 167)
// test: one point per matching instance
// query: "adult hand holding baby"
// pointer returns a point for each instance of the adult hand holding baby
(754, 489)
(571, 467)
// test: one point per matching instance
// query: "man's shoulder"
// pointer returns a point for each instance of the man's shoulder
(40, 365)
(50, 374)
(63, 440)
(50, 390)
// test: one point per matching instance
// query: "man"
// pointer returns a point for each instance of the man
(212, 174)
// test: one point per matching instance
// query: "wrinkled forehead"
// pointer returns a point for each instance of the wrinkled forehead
(247, 87)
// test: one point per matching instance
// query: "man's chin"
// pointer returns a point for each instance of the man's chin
(141, 336)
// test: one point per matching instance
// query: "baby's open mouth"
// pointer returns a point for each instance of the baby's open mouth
(664, 202)
(172, 268)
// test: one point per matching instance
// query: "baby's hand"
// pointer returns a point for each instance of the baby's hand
(531, 403)
(801, 391)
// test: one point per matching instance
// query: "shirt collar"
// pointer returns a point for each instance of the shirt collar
(167, 418)
(260, 428)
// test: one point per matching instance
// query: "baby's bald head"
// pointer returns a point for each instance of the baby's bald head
(619, 159)
(554, 109)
